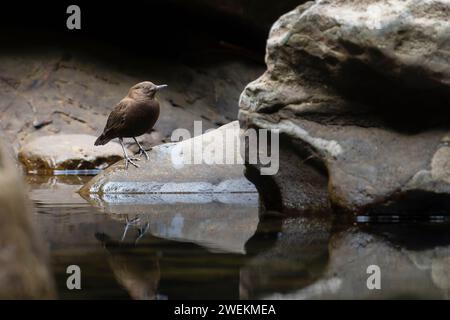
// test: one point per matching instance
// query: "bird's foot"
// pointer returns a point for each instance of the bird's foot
(129, 160)
(143, 152)
(142, 231)
(129, 223)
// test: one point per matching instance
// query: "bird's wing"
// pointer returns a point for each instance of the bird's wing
(116, 118)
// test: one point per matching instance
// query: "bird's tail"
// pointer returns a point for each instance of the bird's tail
(103, 139)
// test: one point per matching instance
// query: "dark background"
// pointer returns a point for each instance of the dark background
(149, 27)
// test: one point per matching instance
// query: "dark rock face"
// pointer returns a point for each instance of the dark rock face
(365, 88)
(24, 272)
(299, 186)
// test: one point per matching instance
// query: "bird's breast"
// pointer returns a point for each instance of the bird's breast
(142, 117)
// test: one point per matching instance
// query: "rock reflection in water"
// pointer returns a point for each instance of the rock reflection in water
(296, 259)
(130, 255)
(195, 250)
(56, 189)
(219, 222)
(414, 263)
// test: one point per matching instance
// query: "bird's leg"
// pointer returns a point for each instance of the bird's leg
(126, 157)
(141, 232)
(124, 234)
(128, 223)
(141, 149)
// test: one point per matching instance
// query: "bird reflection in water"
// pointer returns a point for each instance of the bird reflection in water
(137, 270)
(135, 222)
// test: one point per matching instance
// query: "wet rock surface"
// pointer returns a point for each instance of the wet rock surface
(24, 268)
(365, 88)
(67, 152)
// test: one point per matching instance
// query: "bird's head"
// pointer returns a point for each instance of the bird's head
(146, 88)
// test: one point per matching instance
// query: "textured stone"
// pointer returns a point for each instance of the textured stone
(48, 90)
(68, 152)
(364, 87)
(172, 170)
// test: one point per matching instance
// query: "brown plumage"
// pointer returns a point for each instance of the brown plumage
(133, 116)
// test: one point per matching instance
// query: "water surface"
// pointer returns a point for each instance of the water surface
(233, 250)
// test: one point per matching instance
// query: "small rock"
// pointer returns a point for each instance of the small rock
(68, 152)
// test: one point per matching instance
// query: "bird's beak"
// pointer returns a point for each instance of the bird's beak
(161, 87)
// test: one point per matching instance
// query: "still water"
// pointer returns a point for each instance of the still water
(232, 250)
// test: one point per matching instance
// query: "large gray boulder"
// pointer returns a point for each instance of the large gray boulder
(24, 268)
(363, 88)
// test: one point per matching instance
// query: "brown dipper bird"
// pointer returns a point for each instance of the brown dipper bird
(133, 116)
